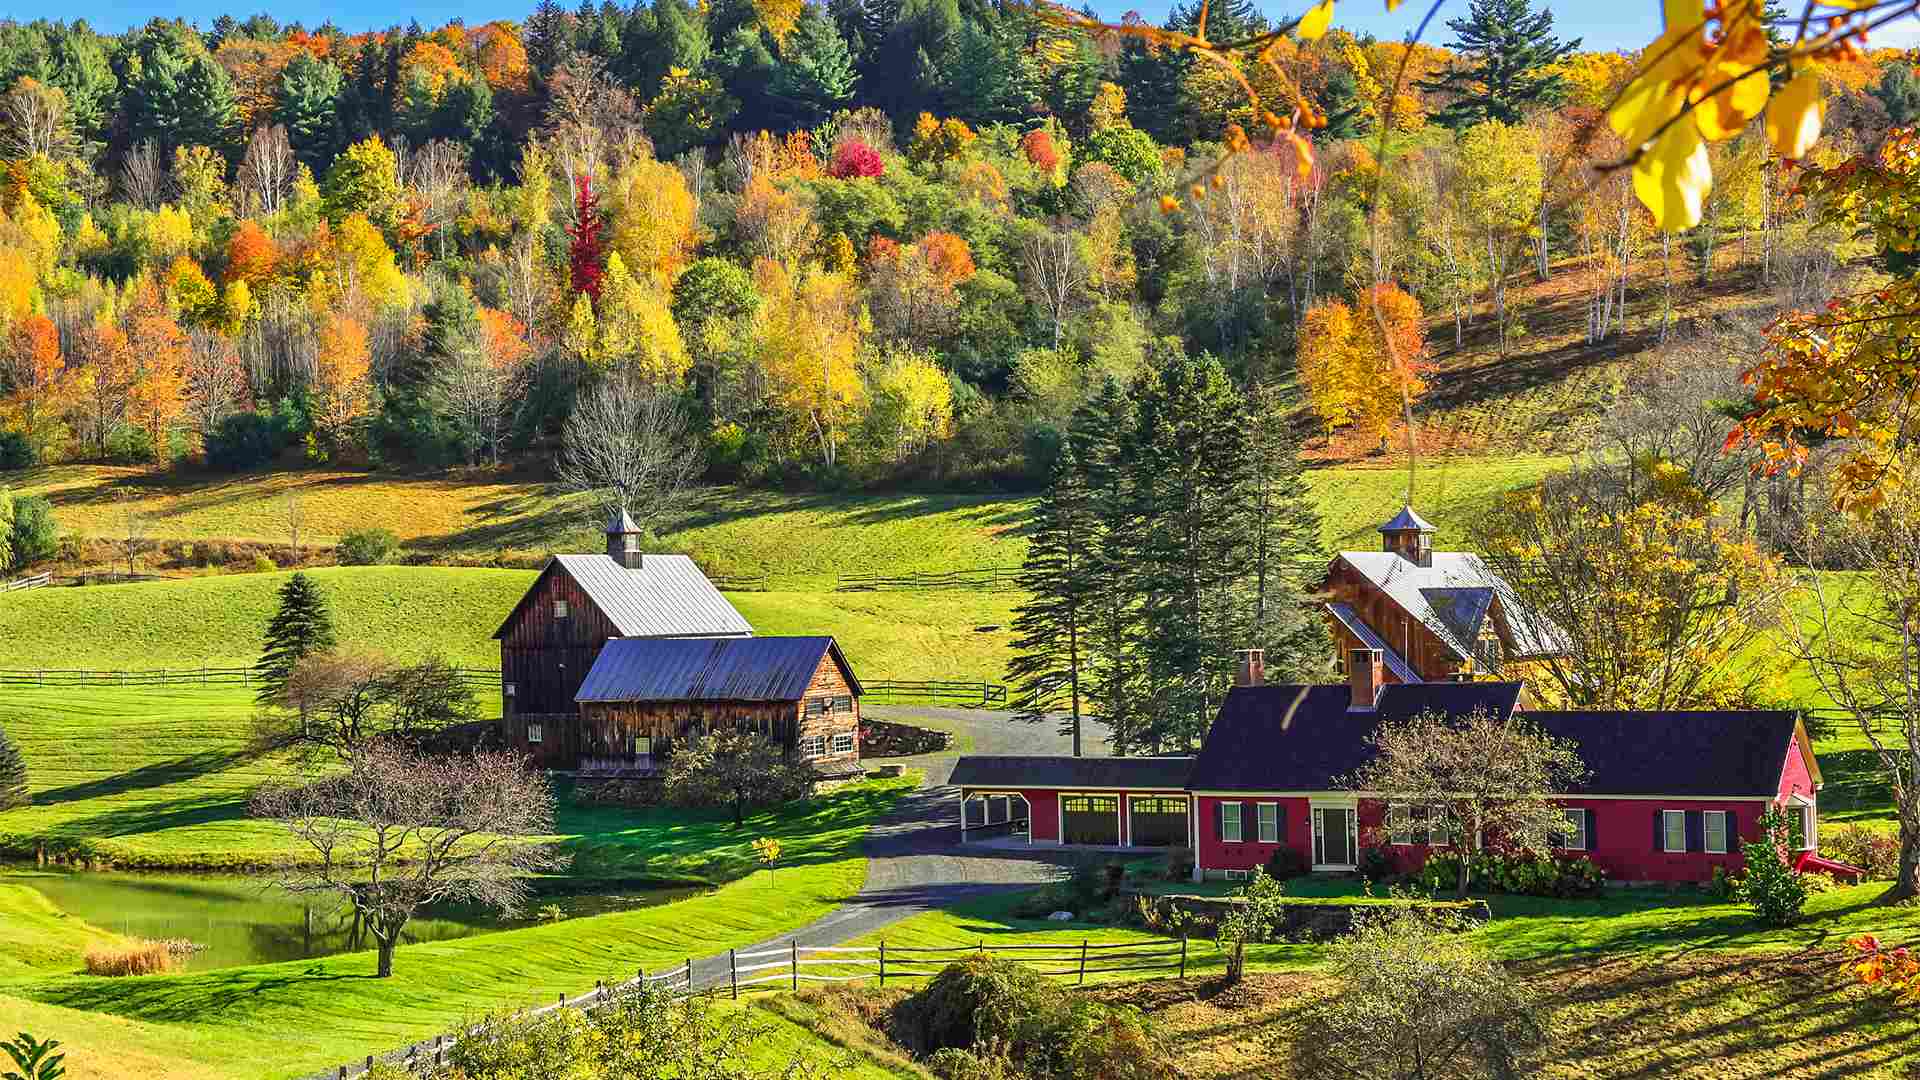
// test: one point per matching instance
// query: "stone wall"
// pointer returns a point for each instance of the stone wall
(880, 739)
(1308, 920)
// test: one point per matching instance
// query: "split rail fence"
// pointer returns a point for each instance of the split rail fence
(37, 581)
(989, 577)
(786, 968)
(204, 676)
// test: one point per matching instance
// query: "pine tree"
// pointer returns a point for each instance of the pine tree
(307, 101)
(816, 76)
(1051, 626)
(1112, 681)
(1507, 53)
(300, 628)
(13, 775)
(1286, 560)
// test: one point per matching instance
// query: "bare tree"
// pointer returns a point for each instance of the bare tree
(591, 121)
(35, 121)
(343, 701)
(1472, 779)
(267, 171)
(438, 171)
(294, 519)
(1055, 272)
(143, 176)
(400, 830)
(1858, 635)
(484, 388)
(627, 443)
(216, 381)
(133, 531)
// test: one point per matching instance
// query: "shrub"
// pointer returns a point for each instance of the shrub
(36, 535)
(1286, 863)
(1771, 887)
(1521, 872)
(139, 958)
(17, 451)
(263, 565)
(129, 445)
(1179, 864)
(974, 1001)
(1877, 851)
(1376, 864)
(245, 440)
(368, 547)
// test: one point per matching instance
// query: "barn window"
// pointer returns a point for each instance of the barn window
(559, 609)
(813, 746)
(507, 689)
(1716, 822)
(533, 732)
(843, 743)
(842, 703)
(1230, 822)
(818, 706)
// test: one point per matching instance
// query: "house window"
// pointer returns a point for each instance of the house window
(559, 609)
(1269, 822)
(534, 733)
(843, 742)
(1673, 830)
(1230, 822)
(813, 746)
(1718, 824)
(842, 703)
(1408, 825)
(1806, 825)
(1576, 834)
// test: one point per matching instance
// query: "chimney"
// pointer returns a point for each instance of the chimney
(1363, 678)
(1250, 667)
(623, 540)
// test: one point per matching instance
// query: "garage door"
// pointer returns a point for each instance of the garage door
(1090, 819)
(1157, 821)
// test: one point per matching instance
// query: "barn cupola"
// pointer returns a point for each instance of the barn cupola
(623, 539)
(1409, 536)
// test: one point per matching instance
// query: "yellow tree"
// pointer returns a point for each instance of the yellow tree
(809, 341)
(654, 221)
(341, 390)
(158, 346)
(103, 379)
(1354, 374)
(912, 401)
(634, 327)
(1500, 179)
(36, 372)
(775, 223)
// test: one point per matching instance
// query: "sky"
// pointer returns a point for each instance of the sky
(1600, 24)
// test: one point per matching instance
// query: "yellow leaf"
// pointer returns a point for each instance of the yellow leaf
(1672, 178)
(1795, 115)
(1726, 113)
(1685, 14)
(1655, 94)
(1391, 4)
(1313, 25)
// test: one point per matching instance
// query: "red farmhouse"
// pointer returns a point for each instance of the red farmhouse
(1671, 794)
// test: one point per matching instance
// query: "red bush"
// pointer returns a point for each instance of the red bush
(1040, 151)
(855, 158)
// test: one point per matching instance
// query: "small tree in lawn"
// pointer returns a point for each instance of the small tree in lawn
(1251, 919)
(343, 700)
(13, 775)
(300, 627)
(399, 830)
(739, 770)
(1417, 998)
(768, 850)
(1489, 777)
(1772, 888)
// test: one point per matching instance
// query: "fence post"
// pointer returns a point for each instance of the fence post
(883, 962)
(1183, 956)
(795, 946)
(733, 972)
(1083, 961)
(641, 978)
(563, 999)
(689, 974)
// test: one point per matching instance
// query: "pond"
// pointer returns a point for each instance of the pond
(238, 920)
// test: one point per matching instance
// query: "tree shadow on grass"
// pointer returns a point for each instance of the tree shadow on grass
(226, 996)
(139, 818)
(158, 774)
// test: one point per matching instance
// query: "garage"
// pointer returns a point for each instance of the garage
(1090, 819)
(1157, 820)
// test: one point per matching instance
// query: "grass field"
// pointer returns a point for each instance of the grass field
(800, 540)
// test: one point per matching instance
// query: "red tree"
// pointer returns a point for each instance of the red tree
(587, 256)
(1041, 153)
(854, 158)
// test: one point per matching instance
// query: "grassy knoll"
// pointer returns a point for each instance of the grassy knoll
(304, 1015)
(800, 540)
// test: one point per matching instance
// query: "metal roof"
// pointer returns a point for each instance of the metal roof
(619, 523)
(1139, 773)
(1407, 521)
(667, 597)
(709, 669)
(1394, 661)
(1415, 588)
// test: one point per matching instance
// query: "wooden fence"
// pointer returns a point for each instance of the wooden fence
(785, 968)
(983, 695)
(478, 678)
(37, 581)
(990, 577)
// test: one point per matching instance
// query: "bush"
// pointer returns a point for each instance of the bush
(368, 547)
(36, 535)
(13, 775)
(1286, 864)
(129, 445)
(17, 451)
(1376, 864)
(1520, 872)
(263, 565)
(1772, 888)
(245, 440)
(139, 958)
(1877, 851)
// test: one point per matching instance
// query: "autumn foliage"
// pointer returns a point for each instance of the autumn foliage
(1360, 368)
(853, 159)
(586, 254)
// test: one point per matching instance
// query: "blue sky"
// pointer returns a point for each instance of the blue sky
(1599, 23)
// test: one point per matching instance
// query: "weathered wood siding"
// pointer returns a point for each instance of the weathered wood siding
(547, 658)
(830, 683)
(1426, 653)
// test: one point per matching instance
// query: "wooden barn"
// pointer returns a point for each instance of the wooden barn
(580, 602)
(644, 696)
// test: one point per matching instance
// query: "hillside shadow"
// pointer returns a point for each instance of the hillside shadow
(157, 817)
(228, 994)
(157, 774)
(530, 521)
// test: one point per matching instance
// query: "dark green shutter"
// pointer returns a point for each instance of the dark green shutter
(1696, 831)
(1249, 823)
(1280, 822)
(1593, 842)
(1659, 830)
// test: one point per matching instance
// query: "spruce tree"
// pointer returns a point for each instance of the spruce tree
(1052, 625)
(301, 627)
(1507, 56)
(1113, 677)
(13, 775)
(1286, 558)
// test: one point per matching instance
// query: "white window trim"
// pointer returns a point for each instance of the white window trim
(1581, 834)
(1260, 822)
(835, 744)
(561, 610)
(1666, 832)
(807, 745)
(1809, 822)
(1352, 809)
(1725, 818)
(1234, 817)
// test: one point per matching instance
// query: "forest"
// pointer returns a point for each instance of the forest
(875, 243)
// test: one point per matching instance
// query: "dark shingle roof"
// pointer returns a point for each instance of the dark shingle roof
(1305, 738)
(709, 669)
(1140, 773)
(1677, 753)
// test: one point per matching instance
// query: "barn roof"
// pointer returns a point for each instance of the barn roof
(709, 669)
(1359, 629)
(1305, 738)
(1732, 753)
(667, 597)
(1133, 773)
(1452, 597)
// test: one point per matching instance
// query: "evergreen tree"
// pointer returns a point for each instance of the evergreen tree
(981, 83)
(816, 76)
(307, 102)
(1507, 53)
(1113, 675)
(1899, 91)
(548, 38)
(1058, 575)
(301, 627)
(179, 96)
(13, 774)
(1287, 561)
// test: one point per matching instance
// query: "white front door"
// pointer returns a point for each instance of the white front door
(1335, 838)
